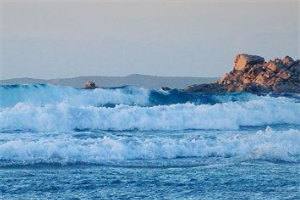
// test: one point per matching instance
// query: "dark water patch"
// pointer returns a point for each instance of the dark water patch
(178, 96)
(13, 86)
(179, 162)
(279, 127)
(258, 180)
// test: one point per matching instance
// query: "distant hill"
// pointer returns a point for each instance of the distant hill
(145, 81)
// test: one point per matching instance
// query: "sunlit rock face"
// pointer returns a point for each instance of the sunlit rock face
(243, 60)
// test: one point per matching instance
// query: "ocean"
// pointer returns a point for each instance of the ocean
(134, 143)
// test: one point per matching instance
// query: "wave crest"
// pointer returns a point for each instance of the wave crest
(266, 145)
(230, 115)
(41, 94)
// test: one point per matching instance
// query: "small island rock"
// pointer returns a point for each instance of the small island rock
(90, 85)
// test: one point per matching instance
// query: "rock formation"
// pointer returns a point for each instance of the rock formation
(241, 61)
(90, 85)
(252, 74)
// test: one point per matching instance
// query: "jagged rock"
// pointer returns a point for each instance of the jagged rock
(242, 60)
(90, 85)
(260, 79)
(246, 80)
(283, 74)
(223, 79)
(252, 74)
(272, 66)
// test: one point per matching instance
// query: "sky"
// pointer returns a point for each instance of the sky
(68, 38)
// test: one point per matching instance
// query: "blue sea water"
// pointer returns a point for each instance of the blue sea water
(133, 143)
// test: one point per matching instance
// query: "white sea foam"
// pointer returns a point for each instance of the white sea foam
(266, 145)
(231, 115)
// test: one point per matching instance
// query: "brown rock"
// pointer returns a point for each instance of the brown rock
(246, 80)
(242, 60)
(260, 79)
(272, 66)
(223, 79)
(255, 70)
(230, 88)
(283, 75)
(253, 74)
(228, 82)
(272, 81)
(90, 85)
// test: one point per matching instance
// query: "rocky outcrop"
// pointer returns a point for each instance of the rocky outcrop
(90, 85)
(252, 74)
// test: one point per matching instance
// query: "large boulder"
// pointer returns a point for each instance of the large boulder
(243, 60)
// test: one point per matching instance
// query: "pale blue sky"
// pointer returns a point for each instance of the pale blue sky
(50, 39)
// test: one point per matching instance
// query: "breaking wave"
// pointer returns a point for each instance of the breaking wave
(43, 94)
(230, 115)
(54, 115)
(265, 145)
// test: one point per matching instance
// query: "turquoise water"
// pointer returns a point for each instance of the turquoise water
(125, 143)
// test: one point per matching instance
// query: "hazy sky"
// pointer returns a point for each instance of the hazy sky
(50, 39)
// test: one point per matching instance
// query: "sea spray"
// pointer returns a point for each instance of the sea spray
(43, 94)
(266, 145)
(55, 124)
(231, 115)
